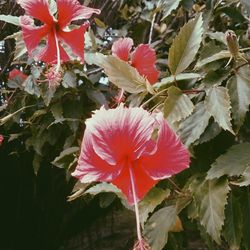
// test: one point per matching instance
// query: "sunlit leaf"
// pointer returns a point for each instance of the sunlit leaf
(232, 163)
(69, 80)
(217, 103)
(185, 46)
(245, 178)
(157, 228)
(239, 91)
(10, 19)
(167, 7)
(193, 126)
(177, 105)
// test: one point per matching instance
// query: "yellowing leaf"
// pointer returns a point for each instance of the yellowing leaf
(185, 46)
(177, 227)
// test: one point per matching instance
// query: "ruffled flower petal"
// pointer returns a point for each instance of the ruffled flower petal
(48, 54)
(75, 39)
(171, 156)
(143, 59)
(121, 48)
(143, 182)
(32, 35)
(91, 167)
(121, 132)
(38, 9)
(72, 10)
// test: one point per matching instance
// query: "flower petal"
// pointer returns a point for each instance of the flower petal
(143, 182)
(48, 54)
(71, 10)
(14, 73)
(120, 133)
(38, 9)
(143, 59)
(91, 167)
(171, 156)
(75, 39)
(32, 35)
(122, 47)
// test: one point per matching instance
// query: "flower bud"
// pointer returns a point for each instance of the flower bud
(232, 43)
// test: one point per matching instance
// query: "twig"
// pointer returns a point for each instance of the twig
(151, 29)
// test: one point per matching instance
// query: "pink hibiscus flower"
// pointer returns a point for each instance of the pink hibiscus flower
(1, 139)
(117, 147)
(55, 30)
(143, 58)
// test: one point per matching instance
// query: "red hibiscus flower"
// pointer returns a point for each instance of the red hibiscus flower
(143, 58)
(117, 147)
(55, 30)
(1, 139)
(17, 73)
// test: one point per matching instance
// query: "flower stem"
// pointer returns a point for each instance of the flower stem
(58, 56)
(138, 227)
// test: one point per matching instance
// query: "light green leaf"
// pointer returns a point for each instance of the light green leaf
(191, 129)
(65, 158)
(69, 80)
(232, 163)
(177, 105)
(123, 75)
(157, 228)
(219, 36)
(10, 19)
(245, 178)
(167, 7)
(31, 87)
(185, 45)
(212, 198)
(233, 223)
(239, 91)
(170, 79)
(154, 197)
(217, 103)
(220, 55)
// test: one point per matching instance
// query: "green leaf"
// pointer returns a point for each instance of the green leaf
(65, 158)
(57, 111)
(177, 105)
(31, 87)
(170, 79)
(212, 198)
(154, 197)
(245, 178)
(167, 7)
(232, 163)
(157, 228)
(217, 103)
(245, 208)
(220, 55)
(123, 75)
(69, 80)
(191, 129)
(246, 4)
(233, 223)
(185, 45)
(239, 91)
(10, 19)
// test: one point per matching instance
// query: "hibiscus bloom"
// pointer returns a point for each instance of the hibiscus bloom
(55, 30)
(1, 139)
(118, 147)
(143, 58)
(17, 73)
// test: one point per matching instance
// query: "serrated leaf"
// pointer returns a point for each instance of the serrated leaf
(177, 105)
(191, 129)
(170, 79)
(31, 87)
(157, 228)
(185, 46)
(220, 55)
(245, 178)
(232, 163)
(10, 19)
(217, 103)
(212, 200)
(239, 91)
(154, 197)
(233, 223)
(123, 75)
(69, 80)
(167, 7)
(65, 158)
